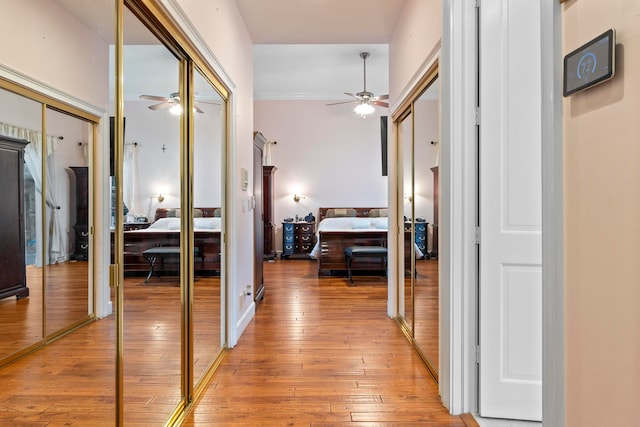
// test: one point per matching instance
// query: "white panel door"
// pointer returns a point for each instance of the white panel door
(510, 210)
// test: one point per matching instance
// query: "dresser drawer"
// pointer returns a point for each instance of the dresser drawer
(307, 228)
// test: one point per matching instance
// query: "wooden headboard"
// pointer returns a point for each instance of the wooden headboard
(359, 212)
(170, 212)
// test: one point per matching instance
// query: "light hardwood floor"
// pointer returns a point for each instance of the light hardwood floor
(318, 353)
(321, 353)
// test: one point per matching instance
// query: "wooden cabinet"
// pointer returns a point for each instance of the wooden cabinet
(81, 226)
(267, 212)
(298, 239)
(13, 281)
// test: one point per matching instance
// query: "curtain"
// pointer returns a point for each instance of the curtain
(129, 180)
(268, 148)
(57, 247)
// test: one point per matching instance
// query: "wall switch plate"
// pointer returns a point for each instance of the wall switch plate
(244, 179)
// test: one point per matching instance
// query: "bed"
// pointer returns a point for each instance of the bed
(165, 231)
(340, 228)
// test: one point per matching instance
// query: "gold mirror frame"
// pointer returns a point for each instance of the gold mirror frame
(406, 111)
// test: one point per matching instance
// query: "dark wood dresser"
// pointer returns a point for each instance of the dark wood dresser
(420, 235)
(298, 239)
(13, 281)
(81, 227)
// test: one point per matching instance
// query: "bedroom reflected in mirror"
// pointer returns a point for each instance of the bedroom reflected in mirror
(21, 279)
(208, 183)
(152, 291)
(67, 256)
(425, 205)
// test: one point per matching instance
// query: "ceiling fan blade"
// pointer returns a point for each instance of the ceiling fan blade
(344, 102)
(380, 104)
(381, 97)
(162, 105)
(352, 95)
(154, 98)
(206, 102)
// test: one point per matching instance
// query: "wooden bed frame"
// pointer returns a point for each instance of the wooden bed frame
(331, 258)
(207, 242)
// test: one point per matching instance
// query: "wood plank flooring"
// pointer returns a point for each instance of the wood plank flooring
(318, 353)
(321, 353)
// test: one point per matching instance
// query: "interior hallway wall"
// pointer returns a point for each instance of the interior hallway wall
(602, 231)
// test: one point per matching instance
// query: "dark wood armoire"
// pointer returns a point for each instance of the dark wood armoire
(267, 212)
(13, 280)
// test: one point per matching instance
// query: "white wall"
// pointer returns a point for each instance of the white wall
(327, 153)
(157, 134)
(62, 52)
(426, 130)
(415, 34)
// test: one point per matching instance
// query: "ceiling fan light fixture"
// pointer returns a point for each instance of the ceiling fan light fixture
(364, 109)
(176, 109)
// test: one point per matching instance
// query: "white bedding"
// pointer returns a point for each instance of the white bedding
(352, 224)
(173, 224)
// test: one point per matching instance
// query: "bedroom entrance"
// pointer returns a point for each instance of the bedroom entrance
(418, 135)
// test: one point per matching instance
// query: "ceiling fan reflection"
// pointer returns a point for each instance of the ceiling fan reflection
(173, 102)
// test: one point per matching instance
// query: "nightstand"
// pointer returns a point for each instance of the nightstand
(298, 239)
(420, 236)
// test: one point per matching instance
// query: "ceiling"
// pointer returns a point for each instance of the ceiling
(304, 49)
(320, 21)
(311, 49)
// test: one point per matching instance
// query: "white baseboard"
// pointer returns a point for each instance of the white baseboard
(246, 318)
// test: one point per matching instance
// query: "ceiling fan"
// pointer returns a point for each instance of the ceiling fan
(365, 100)
(173, 101)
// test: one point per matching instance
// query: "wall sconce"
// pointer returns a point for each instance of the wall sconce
(158, 197)
(298, 197)
(408, 198)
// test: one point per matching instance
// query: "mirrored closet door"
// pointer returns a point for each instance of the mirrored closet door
(418, 136)
(425, 205)
(209, 134)
(47, 223)
(153, 219)
(172, 183)
(406, 255)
